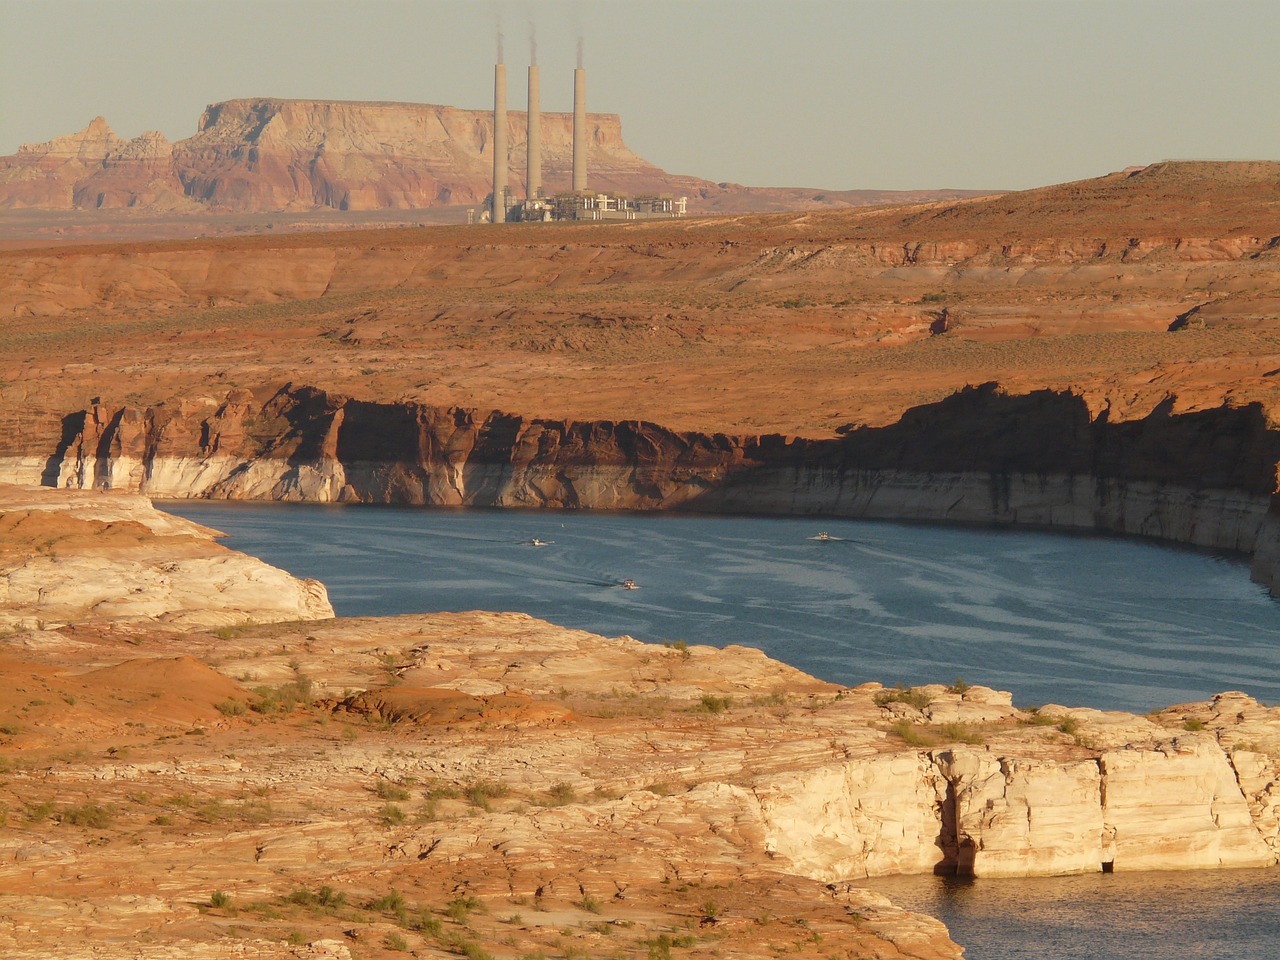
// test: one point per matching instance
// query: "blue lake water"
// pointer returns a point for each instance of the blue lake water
(1188, 915)
(1077, 620)
(1082, 621)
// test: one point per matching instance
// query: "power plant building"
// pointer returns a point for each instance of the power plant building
(577, 204)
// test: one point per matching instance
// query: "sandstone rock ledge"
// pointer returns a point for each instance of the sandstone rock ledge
(71, 558)
(487, 784)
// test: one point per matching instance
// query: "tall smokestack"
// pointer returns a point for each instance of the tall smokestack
(499, 143)
(534, 137)
(579, 130)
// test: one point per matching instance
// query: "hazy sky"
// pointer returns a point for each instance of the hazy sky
(836, 94)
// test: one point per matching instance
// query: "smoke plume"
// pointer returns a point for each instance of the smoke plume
(533, 46)
(579, 53)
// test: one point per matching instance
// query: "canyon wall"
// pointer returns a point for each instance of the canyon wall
(1172, 804)
(1041, 459)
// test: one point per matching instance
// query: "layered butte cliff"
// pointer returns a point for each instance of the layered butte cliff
(264, 154)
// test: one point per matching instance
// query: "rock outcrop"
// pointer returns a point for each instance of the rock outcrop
(68, 558)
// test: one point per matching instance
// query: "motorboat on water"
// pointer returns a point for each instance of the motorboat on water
(629, 584)
(823, 535)
(536, 542)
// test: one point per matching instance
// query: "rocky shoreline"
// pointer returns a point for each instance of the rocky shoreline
(1043, 460)
(196, 780)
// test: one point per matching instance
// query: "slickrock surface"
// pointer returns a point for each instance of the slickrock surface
(489, 784)
(68, 558)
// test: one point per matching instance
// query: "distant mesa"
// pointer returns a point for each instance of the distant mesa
(268, 155)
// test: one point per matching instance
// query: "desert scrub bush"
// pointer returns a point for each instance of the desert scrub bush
(392, 902)
(909, 735)
(710, 703)
(558, 794)
(388, 790)
(284, 698)
(1037, 719)
(1069, 725)
(660, 946)
(391, 815)
(1192, 724)
(468, 948)
(440, 790)
(90, 815)
(36, 812)
(231, 707)
(589, 903)
(960, 686)
(394, 942)
(910, 696)
(219, 900)
(481, 792)
(324, 900)
(460, 908)
(961, 733)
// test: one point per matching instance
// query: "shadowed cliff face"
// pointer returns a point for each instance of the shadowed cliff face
(1041, 459)
(979, 430)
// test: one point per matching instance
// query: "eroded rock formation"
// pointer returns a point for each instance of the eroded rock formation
(67, 558)
(1042, 459)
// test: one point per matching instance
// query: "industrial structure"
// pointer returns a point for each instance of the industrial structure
(578, 203)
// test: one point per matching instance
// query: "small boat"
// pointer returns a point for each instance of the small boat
(823, 535)
(630, 584)
(535, 542)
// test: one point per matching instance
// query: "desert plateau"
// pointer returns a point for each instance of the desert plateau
(200, 760)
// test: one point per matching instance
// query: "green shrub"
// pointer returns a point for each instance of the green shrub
(558, 794)
(90, 815)
(1193, 724)
(386, 790)
(219, 900)
(910, 696)
(910, 735)
(231, 707)
(479, 793)
(1069, 725)
(35, 812)
(393, 941)
(391, 815)
(284, 698)
(962, 733)
(713, 704)
(461, 907)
